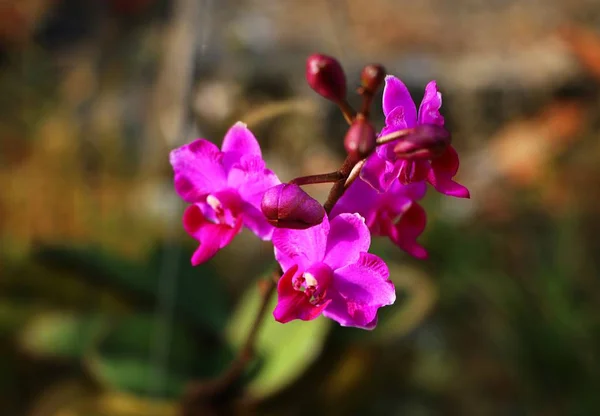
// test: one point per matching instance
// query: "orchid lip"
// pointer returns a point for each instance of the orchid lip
(215, 204)
(222, 208)
(314, 282)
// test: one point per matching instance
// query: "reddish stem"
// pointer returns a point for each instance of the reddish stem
(347, 111)
(321, 178)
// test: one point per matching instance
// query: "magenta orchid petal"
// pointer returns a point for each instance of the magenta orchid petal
(198, 170)
(395, 94)
(212, 237)
(447, 163)
(408, 228)
(441, 173)
(293, 304)
(301, 247)
(386, 151)
(395, 120)
(429, 111)
(412, 171)
(364, 287)
(379, 173)
(251, 179)
(239, 141)
(348, 237)
(337, 311)
(393, 214)
(360, 197)
(413, 191)
(256, 222)
(447, 186)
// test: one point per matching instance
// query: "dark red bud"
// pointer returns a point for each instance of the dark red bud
(360, 138)
(427, 141)
(326, 77)
(371, 78)
(288, 206)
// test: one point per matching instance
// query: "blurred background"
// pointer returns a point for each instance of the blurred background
(101, 313)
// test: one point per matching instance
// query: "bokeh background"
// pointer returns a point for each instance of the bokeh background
(101, 313)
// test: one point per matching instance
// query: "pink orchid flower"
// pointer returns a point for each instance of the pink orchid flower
(329, 271)
(393, 213)
(225, 188)
(400, 112)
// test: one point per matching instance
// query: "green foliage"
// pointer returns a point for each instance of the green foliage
(143, 356)
(62, 335)
(285, 351)
(198, 292)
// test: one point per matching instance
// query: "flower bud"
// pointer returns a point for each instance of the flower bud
(371, 78)
(326, 77)
(427, 141)
(360, 138)
(288, 206)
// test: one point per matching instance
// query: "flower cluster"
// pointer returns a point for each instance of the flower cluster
(322, 250)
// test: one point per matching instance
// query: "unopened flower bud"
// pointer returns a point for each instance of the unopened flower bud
(326, 77)
(288, 206)
(360, 138)
(371, 78)
(427, 141)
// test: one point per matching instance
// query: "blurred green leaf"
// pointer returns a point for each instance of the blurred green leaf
(417, 295)
(199, 294)
(61, 334)
(13, 316)
(285, 350)
(144, 356)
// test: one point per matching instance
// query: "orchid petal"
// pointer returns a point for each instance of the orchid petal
(395, 120)
(429, 110)
(239, 141)
(379, 173)
(364, 287)
(212, 237)
(360, 197)
(256, 222)
(447, 186)
(293, 304)
(408, 228)
(441, 173)
(348, 237)
(413, 191)
(447, 163)
(250, 177)
(302, 247)
(198, 170)
(395, 94)
(337, 310)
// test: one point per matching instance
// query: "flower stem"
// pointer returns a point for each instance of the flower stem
(321, 178)
(210, 391)
(367, 101)
(347, 111)
(338, 188)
